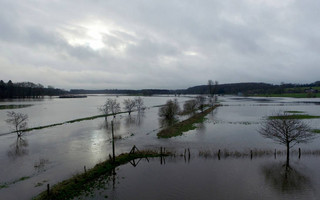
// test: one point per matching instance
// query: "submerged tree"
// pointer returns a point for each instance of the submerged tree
(139, 104)
(286, 131)
(169, 110)
(18, 121)
(110, 106)
(129, 105)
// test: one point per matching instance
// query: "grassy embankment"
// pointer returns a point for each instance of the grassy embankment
(14, 106)
(81, 183)
(298, 92)
(186, 125)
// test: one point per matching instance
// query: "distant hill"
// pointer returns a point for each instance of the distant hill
(233, 88)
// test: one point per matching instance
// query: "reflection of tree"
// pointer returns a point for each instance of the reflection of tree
(106, 125)
(18, 148)
(129, 120)
(164, 122)
(140, 116)
(285, 179)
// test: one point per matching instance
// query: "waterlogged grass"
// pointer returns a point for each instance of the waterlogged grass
(81, 183)
(316, 130)
(186, 125)
(5, 107)
(293, 95)
(294, 117)
(6, 185)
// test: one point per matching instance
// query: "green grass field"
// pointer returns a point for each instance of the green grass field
(293, 95)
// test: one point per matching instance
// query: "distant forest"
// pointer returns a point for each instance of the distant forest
(27, 90)
(232, 88)
(32, 90)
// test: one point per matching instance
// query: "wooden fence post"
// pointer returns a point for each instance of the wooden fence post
(299, 153)
(113, 149)
(48, 189)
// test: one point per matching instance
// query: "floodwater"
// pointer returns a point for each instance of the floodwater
(200, 178)
(50, 155)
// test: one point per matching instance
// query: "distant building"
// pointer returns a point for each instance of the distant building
(310, 90)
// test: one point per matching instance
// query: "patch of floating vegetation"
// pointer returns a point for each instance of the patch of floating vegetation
(295, 116)
(14, 106)
(185, 125)
(241, 123)
(83, 183)
(294, 112)
(40, 183)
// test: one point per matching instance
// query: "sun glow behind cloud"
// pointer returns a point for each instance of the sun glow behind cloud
(95, 33)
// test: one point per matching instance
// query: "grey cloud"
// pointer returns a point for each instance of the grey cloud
(159, 44)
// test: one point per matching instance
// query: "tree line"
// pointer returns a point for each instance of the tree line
(27, 90)
(249, 88)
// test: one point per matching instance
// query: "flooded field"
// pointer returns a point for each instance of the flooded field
(50, 155)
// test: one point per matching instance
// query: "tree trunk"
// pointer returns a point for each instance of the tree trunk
(288, 153)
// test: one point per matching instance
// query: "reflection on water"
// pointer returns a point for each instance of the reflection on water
(164, 122)
(129, 121)
(284, 178)
(182, 178)
(140, 116)
(71, 146)
(18, 148)
(106, 125)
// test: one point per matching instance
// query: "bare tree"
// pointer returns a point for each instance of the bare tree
(170, 109)
(286, 131)
(201, 102)
(210, 85)
(139, 104)
(18, 120)
(190, 106)
(129, 104)
(111, 106)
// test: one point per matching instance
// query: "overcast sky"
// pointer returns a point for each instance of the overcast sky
(100, 44)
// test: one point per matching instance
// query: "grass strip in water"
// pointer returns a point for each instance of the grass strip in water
(81, 183)
(294, 117)
(13, 106)
(70, 121)
(186, 125)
